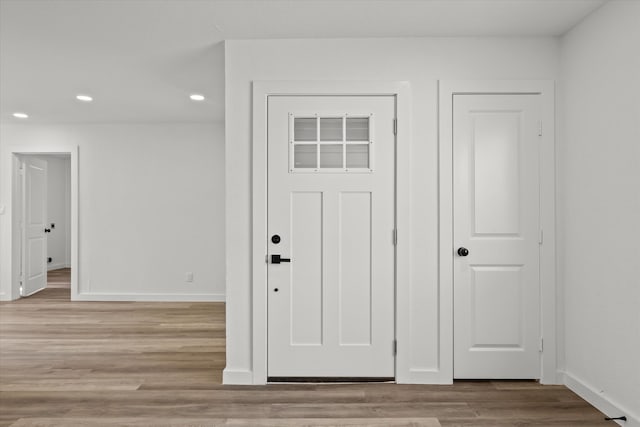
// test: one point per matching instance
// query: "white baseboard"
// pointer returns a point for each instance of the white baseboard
(600, 400)
(99, 296)
(237, 377)
(423, 376)
(55, 266)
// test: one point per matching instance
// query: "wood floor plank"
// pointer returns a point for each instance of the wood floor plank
(66, 363)
(237, 422)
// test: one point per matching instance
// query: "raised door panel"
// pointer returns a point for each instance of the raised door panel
(306, 270)
(355, 281)
(495, 152)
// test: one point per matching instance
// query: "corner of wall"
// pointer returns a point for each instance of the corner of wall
(600, 400)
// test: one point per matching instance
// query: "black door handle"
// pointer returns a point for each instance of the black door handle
(275, 259)
(47, 230)
(463, 251)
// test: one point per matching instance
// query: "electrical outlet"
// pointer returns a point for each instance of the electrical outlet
(188, 277)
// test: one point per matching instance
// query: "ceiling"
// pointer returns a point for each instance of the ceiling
(140, 59)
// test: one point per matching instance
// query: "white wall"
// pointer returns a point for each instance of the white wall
(150, 207)
(599, 207)
(58, 211)
(421, 61)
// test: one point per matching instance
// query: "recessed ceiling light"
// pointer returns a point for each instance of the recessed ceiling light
(196, 97)
(21, 115)
(85, 98)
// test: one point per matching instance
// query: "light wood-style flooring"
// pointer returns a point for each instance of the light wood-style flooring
(60, 278)
(66, 363)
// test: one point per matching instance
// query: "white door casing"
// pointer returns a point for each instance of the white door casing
(34, 219)
(496, 209)
(331, 201)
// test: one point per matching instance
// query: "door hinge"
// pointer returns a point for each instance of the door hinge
(395, 126)
(541, 236)
(21, 170)
(395, 347)
(541, 344)
(395, 236)
(540, 128)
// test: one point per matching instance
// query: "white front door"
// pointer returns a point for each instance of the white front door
(34, 219)
(331, 220)
(496, 220)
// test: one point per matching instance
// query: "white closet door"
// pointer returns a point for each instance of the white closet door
(496, 219)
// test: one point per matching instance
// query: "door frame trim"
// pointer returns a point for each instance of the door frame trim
(548, 315)
(262, 90)
(9, 248)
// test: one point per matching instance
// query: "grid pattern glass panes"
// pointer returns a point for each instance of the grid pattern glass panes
(305, 129)
(357, 128)
(357, 156)
(331, 143)
(306, 156)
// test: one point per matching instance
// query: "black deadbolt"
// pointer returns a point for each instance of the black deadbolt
(463, 251)
(275, 239)
(275, 290)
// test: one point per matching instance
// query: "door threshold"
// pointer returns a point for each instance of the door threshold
(331, 380)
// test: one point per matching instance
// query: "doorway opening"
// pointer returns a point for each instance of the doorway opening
(44, 220)
(488, 207)
(340, 154)
(41, 222)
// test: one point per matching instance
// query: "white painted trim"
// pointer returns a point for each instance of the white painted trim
(600, 400)
(56, 266)
(67, 216)
(234, 376)
(261, 91)
(106, 296)
(546, 89)
(8, 247)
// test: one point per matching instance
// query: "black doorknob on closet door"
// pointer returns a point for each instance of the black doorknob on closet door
(47, 230)
(463, 251)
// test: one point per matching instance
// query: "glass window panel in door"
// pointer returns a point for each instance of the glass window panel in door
(331, 129)
(331, 156)
(357, 129)
(357, 156)
(305, 129)
(305, 156)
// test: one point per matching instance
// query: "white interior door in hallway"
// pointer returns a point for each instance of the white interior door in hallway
(496, 204)
(331, 219)
(34, 219)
